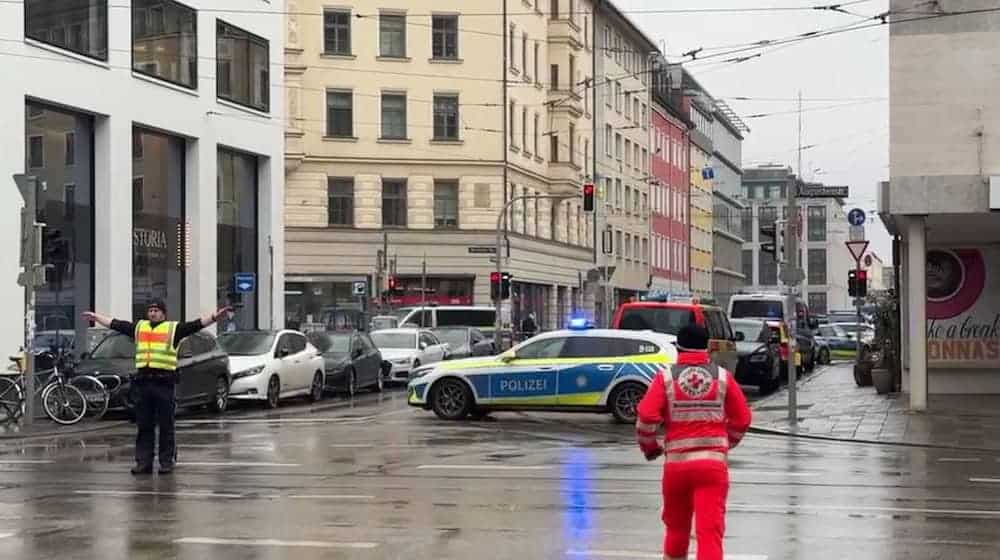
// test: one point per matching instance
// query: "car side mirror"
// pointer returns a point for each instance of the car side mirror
(740, 337)
(283, 352)
(358, 352)
(813, 323)
(508, 356)
(84, 355)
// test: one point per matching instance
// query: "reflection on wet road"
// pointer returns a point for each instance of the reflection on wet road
(374, 479)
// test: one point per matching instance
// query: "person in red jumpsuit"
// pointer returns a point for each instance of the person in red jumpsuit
(704, 414)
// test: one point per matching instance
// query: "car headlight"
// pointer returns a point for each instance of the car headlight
(401, 361)
(420, 372)
(248, 372)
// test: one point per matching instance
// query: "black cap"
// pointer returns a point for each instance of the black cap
(692, 337)
(157, 303)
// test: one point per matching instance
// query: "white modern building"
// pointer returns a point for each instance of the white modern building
(728, 132)
(824, 256)
(155, 130)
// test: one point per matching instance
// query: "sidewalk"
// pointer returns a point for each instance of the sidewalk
(830, 405)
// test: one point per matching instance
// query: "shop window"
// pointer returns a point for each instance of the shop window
(237, 235)
(80, 26)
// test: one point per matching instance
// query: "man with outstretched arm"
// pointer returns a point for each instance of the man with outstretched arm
(704, 414)
(156, 342)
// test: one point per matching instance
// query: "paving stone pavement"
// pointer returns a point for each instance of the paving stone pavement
(830, 404)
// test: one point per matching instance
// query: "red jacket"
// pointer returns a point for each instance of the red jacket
(704, 425)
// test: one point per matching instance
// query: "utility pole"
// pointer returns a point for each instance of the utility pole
(423, 280)
(793, 282)
(30, 278)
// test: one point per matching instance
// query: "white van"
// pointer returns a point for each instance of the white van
(432, 317)
(762, 306)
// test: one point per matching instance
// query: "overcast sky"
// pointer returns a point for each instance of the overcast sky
(838, 76)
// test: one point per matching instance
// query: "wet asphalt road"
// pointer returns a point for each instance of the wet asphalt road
(374, 479)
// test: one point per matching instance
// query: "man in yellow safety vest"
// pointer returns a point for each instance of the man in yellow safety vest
(156, 342)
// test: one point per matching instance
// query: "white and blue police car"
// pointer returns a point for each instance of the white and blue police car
(579, 369)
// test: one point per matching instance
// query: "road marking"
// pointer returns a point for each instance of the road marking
(132, 493)
(313, 420)
(275, 543)
(484, 467)
(640, 554)
(25, 462)
(986, 480)
(881, 509)
(330, 497)
(6, 535)
(773, 473)
(352, 445)
(237, 464)
(958, 460)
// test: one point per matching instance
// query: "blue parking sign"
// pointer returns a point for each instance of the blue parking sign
(245, 282)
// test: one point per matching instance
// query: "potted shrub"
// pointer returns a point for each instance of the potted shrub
(885, 374)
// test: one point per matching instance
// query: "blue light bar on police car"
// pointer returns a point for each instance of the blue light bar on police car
(579, 324)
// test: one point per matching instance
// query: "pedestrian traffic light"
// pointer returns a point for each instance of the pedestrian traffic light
(588, 197)
(505, 285)
(494, 286)
(392, 284)
(857, 283)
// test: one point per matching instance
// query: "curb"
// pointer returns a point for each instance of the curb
(39, 435)
(786, 433)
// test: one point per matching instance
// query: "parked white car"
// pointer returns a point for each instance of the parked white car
(272, 365)
(408, 349)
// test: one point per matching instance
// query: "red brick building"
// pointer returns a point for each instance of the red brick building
(670, 196)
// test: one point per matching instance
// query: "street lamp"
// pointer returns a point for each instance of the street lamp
(500, 217)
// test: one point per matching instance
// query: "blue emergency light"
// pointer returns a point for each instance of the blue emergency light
(580, 324)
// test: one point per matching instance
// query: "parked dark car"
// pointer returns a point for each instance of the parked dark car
(202, 371)
(757, 349)
(464, 342)
(352, 361)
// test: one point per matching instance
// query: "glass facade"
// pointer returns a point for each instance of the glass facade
(242, 67)
(158, 222)
(331, 304)
(80, 26)
(165, 41)
(237, 236)
(60, 153)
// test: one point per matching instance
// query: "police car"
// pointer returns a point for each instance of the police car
(578, 369)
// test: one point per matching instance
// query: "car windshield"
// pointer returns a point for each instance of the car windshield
(115, 347)
(453, 337)
(756, 308)
(666, 320)
(247, 343)
(402, 312)
(385, 322)
(332, 343)
(853, 327)
(749, 329)
(830, 332)
(394, 340)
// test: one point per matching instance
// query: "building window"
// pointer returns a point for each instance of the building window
(768, 269)
(748, 266)
(243, 66)
(535, 66)
(70, 149)
(66, 207)
(340, 114)
(337, 32)
(158, 224)
(524, 56)
(237, 235)
(80, 26)
(817, 223)
(36, 152)
(394, 115)
(768, 215)
(554, 9)
(165, 41)
(340, 201)
(446, 117)
(394, 202)
(510, 124)
(572, 143)
(554, 148)
(554, 76)
(446, 204)
(392, 35)
(817, 267)
(628, 105)
(445, 37)
(524, 128)
(618, 97)
(817, 303)
(618, 146)
(607, 140)
(746, 224)
(537, 135)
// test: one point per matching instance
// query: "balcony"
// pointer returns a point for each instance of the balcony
(565, 101)
(564, 30)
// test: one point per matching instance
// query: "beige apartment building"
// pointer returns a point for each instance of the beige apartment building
(410, 126)
(622, 100)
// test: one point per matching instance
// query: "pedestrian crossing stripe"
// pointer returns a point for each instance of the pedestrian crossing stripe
(644, 554)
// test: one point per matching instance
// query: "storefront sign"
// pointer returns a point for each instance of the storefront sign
(963, 307)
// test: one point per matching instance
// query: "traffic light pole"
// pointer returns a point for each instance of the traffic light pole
(791, 265)
(32, 277)
(497, 322)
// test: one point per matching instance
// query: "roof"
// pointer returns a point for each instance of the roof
(628, 22)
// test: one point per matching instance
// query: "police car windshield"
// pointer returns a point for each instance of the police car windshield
(247, 343)
(394, 340)
(114, 347)
(666, 320)
(755, 308)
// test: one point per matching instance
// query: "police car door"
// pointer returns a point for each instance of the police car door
(531, 377)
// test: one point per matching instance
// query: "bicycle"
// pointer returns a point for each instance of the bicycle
(64, 401)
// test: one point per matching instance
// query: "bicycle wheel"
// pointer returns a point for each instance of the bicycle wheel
(11, 400)
(96, 394)
(64, 404)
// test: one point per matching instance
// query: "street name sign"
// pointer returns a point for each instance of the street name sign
(822, 191)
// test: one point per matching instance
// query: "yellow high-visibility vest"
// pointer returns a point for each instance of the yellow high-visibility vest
(154, 347)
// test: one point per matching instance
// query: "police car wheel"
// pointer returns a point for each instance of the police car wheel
(451, 399)
(625, 400)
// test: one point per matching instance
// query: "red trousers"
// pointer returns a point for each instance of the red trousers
(699, 488)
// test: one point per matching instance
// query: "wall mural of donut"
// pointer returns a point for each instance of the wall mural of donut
(963, 307)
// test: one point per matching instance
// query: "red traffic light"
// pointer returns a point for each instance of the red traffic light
(588, 197)
(392, 282)
(862, 275)
(588, 189)
(494, 277)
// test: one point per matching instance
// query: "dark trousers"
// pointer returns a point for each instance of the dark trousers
(156, 405)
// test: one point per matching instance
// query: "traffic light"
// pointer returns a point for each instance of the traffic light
(857, 283)
(505, 285)
(775, 233)
(588, 197)
(494, 286)
(393, 283)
